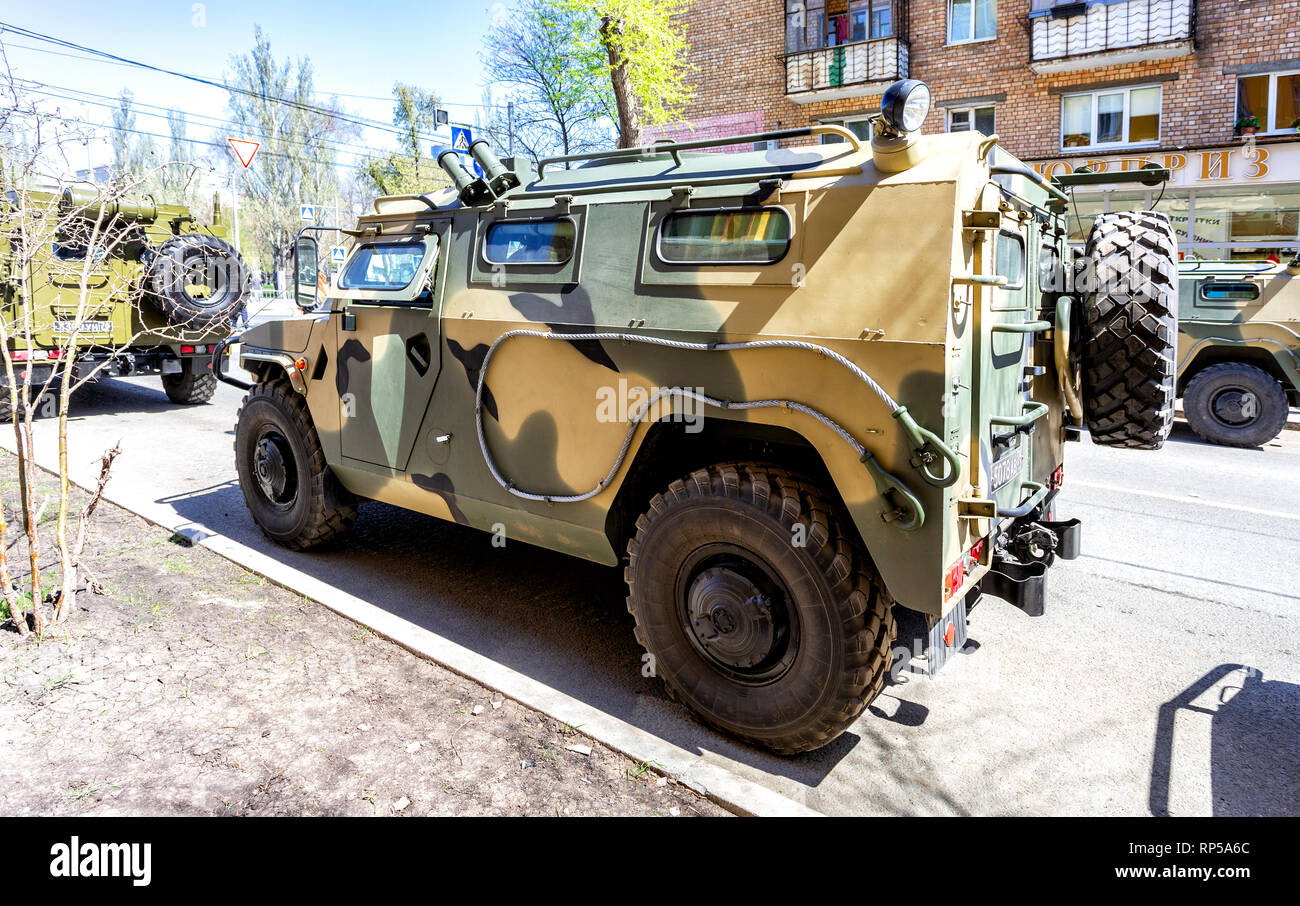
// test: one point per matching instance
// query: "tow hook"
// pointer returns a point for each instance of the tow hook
(1019, 569)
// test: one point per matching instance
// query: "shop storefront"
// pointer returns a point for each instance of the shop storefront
(1225, 203)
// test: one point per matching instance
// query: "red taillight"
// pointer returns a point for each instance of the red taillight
(19, 356)
(977, 552)
(301, 364)
(953, 580)
(1058, 477)
(187, 350)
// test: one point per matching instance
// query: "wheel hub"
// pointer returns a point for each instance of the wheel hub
(1235, 406)
(272, 466)
(731, 618)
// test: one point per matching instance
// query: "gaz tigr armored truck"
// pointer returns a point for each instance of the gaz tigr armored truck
(785, 389)
(1239, 348)
(133, 286)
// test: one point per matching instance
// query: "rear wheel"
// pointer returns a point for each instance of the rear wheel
(1235, 404)
(1130, 330)
(193, 384)
(288, 487)
(758, 610)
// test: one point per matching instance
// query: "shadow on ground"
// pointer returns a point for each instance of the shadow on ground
(556, 619)
(1254, 742)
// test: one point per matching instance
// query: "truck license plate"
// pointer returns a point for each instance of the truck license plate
(84, 327)
(1007, 466)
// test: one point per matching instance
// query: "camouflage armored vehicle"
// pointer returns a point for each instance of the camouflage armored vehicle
(1239, 348)
(160, 290)
(784, 389)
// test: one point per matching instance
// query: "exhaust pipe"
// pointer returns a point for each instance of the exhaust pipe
(472, 190)
(499, 178)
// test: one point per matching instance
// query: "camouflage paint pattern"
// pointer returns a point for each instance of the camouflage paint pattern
(875, 271)
(1263, 331)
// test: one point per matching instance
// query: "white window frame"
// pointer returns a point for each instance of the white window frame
(947, 27)
(1274, 128)
(970, 110)
(1124, 142)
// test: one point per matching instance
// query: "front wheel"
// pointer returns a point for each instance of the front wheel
(1235, 404)
(758, 610)
(288, 487)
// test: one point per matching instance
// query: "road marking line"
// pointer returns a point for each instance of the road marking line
(1276, 514)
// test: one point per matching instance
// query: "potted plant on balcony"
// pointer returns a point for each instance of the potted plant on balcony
(1248, 125)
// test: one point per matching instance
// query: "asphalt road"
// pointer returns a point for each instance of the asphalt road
(1163, 679)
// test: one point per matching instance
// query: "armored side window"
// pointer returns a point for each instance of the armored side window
(1229, 291)
(387, 266)
(1050, 276)
(530, 241)
(1010, 253)
(757, 236)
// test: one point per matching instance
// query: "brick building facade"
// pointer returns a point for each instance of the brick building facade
(1063, 82)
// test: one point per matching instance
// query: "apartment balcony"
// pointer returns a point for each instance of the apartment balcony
(857, 69)
(1068, 35)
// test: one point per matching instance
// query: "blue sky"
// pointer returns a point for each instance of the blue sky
(357, 49)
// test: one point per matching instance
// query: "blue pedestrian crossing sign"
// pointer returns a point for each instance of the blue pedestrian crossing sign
(307, 213)
(461, 138)
(336, 254)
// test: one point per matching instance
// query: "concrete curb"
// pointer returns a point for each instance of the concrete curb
(720, 785)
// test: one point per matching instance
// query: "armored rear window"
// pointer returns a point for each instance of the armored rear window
(530, 241)
(746, 236)
(1010, 263)
(1224, 291)
(389, 266)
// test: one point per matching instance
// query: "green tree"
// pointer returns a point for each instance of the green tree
(638, 48)
(133, 153)
(408, 171)
(276, 102)
(536, 56)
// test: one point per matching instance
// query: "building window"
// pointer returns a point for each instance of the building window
(1269, 102)
(972, 20)
(963, 119)
(805, 25)
(860, 127)
(870, 19)
(1100, 119)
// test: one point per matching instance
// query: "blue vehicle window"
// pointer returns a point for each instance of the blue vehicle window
(530, 242)
(384, 267)
(1220, 291)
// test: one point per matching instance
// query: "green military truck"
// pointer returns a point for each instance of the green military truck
(133, 286)
(1239, 348)
(784, 389)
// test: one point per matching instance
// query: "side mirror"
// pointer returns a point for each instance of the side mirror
(305, 255)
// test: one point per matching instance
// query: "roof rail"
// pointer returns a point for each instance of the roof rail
(674, 148)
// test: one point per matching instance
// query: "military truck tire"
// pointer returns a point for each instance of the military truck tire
(1130, 327)
(781, 644)
(1235, 404)
(291, 492)
(192, 255)
(191, 385)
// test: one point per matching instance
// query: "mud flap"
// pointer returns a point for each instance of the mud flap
(1021, 585)
(947, 636)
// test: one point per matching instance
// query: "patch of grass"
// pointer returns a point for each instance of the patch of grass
(178, 563)
(641, 769)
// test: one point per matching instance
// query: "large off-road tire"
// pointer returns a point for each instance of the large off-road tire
(780, 644)
(1130, 327)
(198, 282)
(288, 487)
(195, 383)
(1235, 404)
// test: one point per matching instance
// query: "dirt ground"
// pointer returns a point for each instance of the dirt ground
(194, 687)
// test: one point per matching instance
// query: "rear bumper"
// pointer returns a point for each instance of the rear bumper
(1022, 554)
